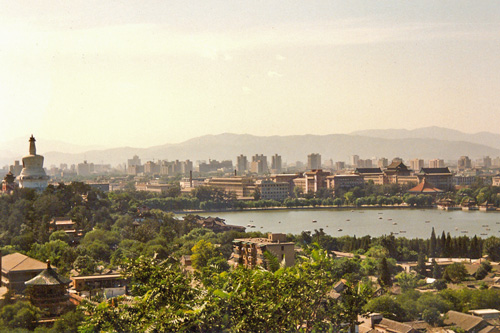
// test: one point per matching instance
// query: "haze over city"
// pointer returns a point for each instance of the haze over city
(147, 73)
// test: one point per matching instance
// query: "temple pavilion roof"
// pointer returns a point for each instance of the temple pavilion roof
(48, 277)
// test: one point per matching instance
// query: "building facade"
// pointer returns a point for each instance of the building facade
(313, 161)
(250, 251)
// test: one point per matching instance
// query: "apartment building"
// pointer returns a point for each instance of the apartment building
(250, 251)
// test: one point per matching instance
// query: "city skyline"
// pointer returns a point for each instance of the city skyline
(136, 74)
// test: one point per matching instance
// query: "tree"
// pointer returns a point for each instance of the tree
(455, 272)
(203, 251)
(384, 278)
(421, 267)
(19, 315)
(85, 265)
(407, 281)
(491, 247)
(432, 244)
(387, 306)
(436, 270)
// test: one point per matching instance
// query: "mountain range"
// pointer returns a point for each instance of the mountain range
(425, 143)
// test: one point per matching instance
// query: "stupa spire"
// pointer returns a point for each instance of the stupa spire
(32, 145)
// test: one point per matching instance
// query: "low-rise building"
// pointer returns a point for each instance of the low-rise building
(312, 180)
(156, 188)
(250, 251)
(17, 269)
(110, 285)
(270, 190)
(469, 323)
(65, 224)
(441, 178)
(215, 224)
(374, 174)
(242, 187)
(345, 181)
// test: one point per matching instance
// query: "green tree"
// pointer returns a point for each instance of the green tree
(455, 273)
(384, 279)
(421, 265)
(491, 247)
(203, 251)
(20, 314)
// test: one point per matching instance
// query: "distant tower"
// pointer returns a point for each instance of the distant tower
(33, 175)
(259, 164)
(313, 161)
(354, 160)
(276, 163)
(241, 164)
(464, 163)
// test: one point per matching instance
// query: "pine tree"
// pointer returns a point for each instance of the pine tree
(436, 270)
(443, 244)
(384, 272)
(432, 244)
(421, 268)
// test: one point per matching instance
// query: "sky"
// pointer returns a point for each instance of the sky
(145, 73)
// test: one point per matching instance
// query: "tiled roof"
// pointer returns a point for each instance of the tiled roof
(368, 170)
(462, 320)
(397, 164)
(425, 187)
(435, 170)
(47, 277)
(395, 326)
(19, 262)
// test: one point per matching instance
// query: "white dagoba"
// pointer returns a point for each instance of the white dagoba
(33, 175)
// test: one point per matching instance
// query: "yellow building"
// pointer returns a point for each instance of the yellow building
(250, 251)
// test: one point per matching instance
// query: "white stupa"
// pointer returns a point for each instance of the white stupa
(33, 175)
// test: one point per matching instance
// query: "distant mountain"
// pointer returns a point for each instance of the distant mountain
(434, 132)
(339, 147)
(15, 148)
(425, 143)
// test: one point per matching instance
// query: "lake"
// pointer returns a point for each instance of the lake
(408, 223)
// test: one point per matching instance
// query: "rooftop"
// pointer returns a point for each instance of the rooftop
(48, 277)
(15, 262)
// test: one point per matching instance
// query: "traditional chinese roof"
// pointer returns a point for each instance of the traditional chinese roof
(19, 262)
(435, 170)
(368, 170)
(464, 321)
(47, 277)
(425, 187)
(395, 326)
(397, 165)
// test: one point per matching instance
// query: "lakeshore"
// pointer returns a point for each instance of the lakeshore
(402, 221)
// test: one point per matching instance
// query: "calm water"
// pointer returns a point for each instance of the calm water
(408, 223)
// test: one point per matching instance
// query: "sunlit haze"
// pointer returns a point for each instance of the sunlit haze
(143, 73)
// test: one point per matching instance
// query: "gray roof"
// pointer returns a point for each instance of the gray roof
(47, 277)
(463, 320)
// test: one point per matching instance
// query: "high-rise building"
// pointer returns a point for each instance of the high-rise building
(313, 161)
(339, 165)
(276, 163)
(354, 160)
(436, 163)
(259, 164)
(134, 161)
(487, 162)
(382, 162)
(85, 169)
(464, 162)
(241, 164)
(416, 164)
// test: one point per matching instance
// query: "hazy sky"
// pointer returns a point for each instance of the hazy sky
(142, 73)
